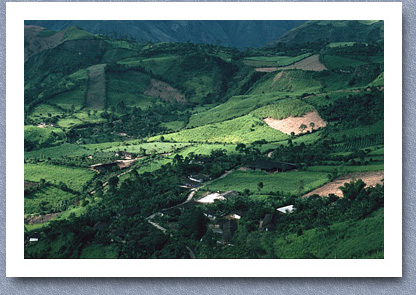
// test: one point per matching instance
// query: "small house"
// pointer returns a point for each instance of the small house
(286, 209)
(198, 178)
(125, 155)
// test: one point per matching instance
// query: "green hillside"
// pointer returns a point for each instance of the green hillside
(243, 129)
(124, 139)
(335, 31)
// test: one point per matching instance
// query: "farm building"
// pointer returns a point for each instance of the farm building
(198, 178)
(125, 155)
(188, 183)
(270, 166)
(269, 222)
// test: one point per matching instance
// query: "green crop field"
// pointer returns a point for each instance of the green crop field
(287, 182)
(74, 178)
(243, 129)
(274, 61)
(236, 106)
(334, 62)
(63, 150)
(283, 109)
(344, 240)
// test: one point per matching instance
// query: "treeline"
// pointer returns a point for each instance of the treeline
(356, 110)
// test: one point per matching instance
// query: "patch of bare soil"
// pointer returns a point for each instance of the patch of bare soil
(35, 44)
(310, 63)
(40, 218)
(164, 91)
(96, 87)
(266, 70)
(292, 124)
(370, 178)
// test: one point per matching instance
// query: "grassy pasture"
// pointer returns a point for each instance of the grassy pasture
(42, 111)
(43, 137)
(242, 129)
(128, 87)
(361, 239)
(71, 98)
(287, 182)
(69, 122)
(274, 61)
(173, 125)
(73, 177)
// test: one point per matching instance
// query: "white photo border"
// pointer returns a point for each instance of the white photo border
(17, 266)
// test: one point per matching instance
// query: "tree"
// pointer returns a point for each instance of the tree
(302, 127)
(260, 185)
(312, 124)
(301, 187)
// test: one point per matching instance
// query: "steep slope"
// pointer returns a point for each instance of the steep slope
(334, 31)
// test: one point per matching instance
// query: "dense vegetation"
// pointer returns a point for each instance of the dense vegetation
(124, 139)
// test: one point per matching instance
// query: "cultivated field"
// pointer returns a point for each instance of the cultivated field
(292, 124)
(370, 178)
(74, 178)
(287, 182)
(96, 87)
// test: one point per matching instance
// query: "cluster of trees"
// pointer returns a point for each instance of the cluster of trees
(315, 212)
(357, 110)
